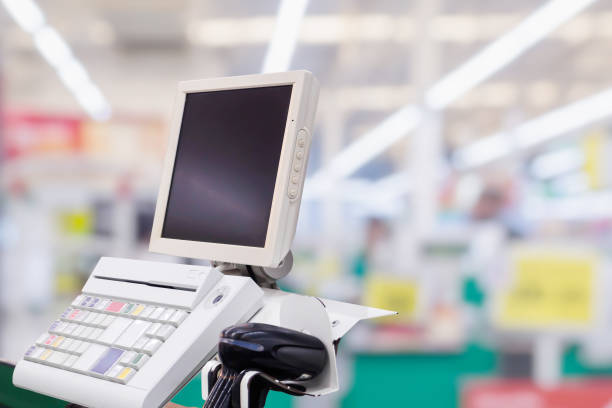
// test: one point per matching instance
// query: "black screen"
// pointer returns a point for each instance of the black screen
(225, 167)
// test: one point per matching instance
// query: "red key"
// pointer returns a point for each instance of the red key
(50, 339)
(115, 307)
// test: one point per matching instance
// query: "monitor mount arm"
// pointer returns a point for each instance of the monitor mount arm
(264, 276)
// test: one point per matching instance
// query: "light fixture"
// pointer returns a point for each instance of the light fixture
(536, 131)
(286, 31)
(477, 69)
(58, 54)
(26, 14)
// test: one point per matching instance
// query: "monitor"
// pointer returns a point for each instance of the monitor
(235, 168)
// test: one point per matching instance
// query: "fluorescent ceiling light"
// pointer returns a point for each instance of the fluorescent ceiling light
(25, 13)
(490, 60)
(553, 164)
(282, 46)
(503, 51)
(57, 53)
(52, 46)
(537, 131)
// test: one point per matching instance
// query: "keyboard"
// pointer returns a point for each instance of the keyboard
(136, 334)
(106, 338)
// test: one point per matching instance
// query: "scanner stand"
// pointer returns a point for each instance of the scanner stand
(328, 320)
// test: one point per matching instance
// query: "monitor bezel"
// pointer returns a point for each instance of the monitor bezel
(265, 255)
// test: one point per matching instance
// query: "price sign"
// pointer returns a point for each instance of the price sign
(391, 293)
(548, 288)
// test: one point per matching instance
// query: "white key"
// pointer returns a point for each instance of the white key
(57, 358)
(146, 314)
(152, 346)
(74, 346)
(102, 304)
(107, 321)
(127, 357)
(78, 300)
(178, 317)
(90, 357)
(132, 333)
(42, 338)
(86, 332)
(66, 344)
(70, 328)
(35, 352)
(98, 319)
(116, 328)
(70, 361)
(114, 371)
(157, 313)
(140, 343)
(77, 332)
(153, 329)
(82, 316)
(90, 318)
(61, 328)
(83, 347)
(166, 315)
(164, 332)
(96, 334)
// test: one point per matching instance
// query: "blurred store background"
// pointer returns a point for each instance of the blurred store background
(461, 174)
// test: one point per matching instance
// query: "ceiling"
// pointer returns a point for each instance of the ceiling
(365, 54)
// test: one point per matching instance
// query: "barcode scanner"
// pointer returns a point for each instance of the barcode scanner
(267, 357)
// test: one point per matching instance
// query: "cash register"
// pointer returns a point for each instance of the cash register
(230, 193)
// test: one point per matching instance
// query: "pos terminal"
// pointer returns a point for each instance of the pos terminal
(230, 193)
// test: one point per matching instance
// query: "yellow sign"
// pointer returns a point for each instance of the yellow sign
(549, 289)
(391, 293)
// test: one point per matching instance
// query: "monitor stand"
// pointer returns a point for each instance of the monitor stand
(265, 277)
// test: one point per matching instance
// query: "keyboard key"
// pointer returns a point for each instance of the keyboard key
(114, 371)
(107, 321)
(115, 307)
(102, 304)
(98, 319)
(56, 343)
(127, 309)
(90, 318)
(70, 360)
(116, 328)
(96, 334)
(49, 340)
(93, 303)
(157, 313)
(138, 361)
(125, 375)
(83, 347)
(146, 313)
(57, 358)
(153, 329)
(138, 309)
(107, 361)
(85, 301)
(35, 352)
(77, 332)
(82, 316)
(78, 300)
(133, 333)
(54, 326)
(90, 357)
(164, 332)
(87, 332)
(66, 313)
(178, 317)
(74, 346)
(127, 357)
(45, 355)
(70, 328)
(140, 343)
(165, 316)
(65, 346)
(152, 346)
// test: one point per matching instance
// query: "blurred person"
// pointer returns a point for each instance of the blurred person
(376, 253)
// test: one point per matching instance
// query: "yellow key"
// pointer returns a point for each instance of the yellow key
(45, 355)
(57, 341)
(138, 310)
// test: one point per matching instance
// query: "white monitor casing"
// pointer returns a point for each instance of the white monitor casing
(287, 192)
